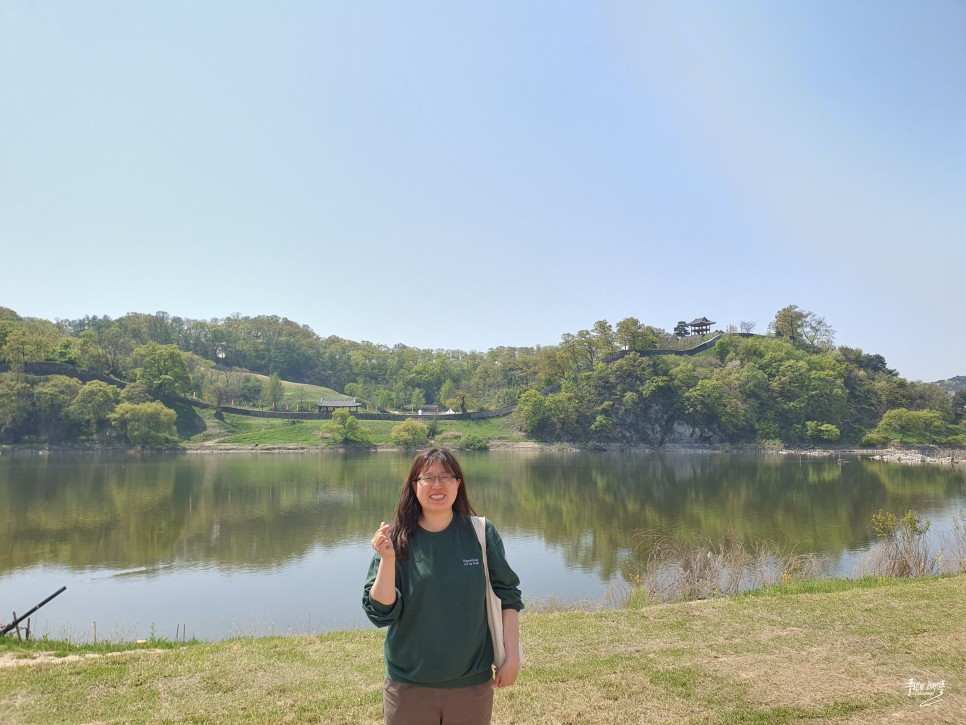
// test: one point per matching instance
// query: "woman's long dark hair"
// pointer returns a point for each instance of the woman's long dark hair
(408, 510)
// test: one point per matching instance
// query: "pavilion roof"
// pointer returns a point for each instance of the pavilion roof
(701, 321)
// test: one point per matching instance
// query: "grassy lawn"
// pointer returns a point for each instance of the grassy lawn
(247, 430)
(844, 653)
(301, 392)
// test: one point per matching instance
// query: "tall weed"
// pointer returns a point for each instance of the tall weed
(905, 549)
(681, 569)
(956, 545)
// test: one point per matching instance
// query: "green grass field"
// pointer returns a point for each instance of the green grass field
(868, 652)
(303, 393)
(248, 430)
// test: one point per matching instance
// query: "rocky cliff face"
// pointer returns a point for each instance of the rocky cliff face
(657, 429)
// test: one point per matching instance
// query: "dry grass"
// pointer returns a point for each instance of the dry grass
(842, 655)
(680, 569)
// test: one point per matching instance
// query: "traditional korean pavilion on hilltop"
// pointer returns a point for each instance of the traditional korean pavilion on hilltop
(701, 326)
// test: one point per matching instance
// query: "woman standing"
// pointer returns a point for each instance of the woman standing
(426, 583)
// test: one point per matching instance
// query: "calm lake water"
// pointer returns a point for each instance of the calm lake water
(234, 544)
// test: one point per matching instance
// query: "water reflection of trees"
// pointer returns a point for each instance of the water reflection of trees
(593, 507)
(261, 511)
(223, 510)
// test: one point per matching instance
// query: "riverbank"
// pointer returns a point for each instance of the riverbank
(912, 455)
(858, 652)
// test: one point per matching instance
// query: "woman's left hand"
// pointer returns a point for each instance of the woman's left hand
(507, 675)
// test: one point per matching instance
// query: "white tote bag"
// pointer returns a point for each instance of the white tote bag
(494, 607)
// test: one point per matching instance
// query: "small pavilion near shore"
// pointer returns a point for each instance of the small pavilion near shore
(330, 405)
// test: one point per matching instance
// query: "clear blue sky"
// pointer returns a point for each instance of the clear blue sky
(468, 175)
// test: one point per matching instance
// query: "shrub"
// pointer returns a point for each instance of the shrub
(145, 423)
(912, 426)
(529, 413)
(603, 426)
(410, 433)
(874, 438)
(475, 442)
(905, 549)
(344, 428)
(819, 431)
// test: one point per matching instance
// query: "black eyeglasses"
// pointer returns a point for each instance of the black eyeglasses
(446, 479)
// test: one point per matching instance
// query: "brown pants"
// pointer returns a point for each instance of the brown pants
(413, 705)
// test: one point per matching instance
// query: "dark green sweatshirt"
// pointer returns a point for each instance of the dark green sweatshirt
(438, 636)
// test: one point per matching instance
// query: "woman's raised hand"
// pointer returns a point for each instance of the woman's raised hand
(382, 543)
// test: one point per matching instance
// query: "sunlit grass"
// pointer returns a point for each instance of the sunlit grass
(845, 654)
(249, 430)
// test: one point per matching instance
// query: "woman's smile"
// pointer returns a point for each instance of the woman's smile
(436, 488)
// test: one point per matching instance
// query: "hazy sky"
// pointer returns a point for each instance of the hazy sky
(468, 175)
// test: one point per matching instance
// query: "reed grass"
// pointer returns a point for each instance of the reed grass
(677, 568)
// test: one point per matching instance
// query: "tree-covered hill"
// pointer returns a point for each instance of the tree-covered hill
(954, 384)
(610, 385)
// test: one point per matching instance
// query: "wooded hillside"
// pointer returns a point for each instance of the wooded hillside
(628, 383)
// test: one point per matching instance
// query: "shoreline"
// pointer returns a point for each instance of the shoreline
(911, 455)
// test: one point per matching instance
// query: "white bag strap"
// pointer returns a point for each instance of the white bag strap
(479, 525)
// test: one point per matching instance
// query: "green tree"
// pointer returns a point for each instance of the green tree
(382, 398)
(460, 400)
(446, 391)
(604, 339)
(528, 415)
(818, 431)
(603, 426)
(410, 433)
(417, 399)
(93, 405)
(28, 341)
(798, 324)
(901, 425)
(249, 390)
(106, 348)
(162, 369)
(52, 398)
(959, 406)
(135, 393)
(632, 335)
(16, 401)
(345, 428)
(274, 392)
(562, 411)
(713, 405)
(148, 424)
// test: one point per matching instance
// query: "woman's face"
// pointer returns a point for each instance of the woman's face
(436, 488)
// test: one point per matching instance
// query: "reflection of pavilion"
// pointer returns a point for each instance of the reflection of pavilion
(700, 326)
